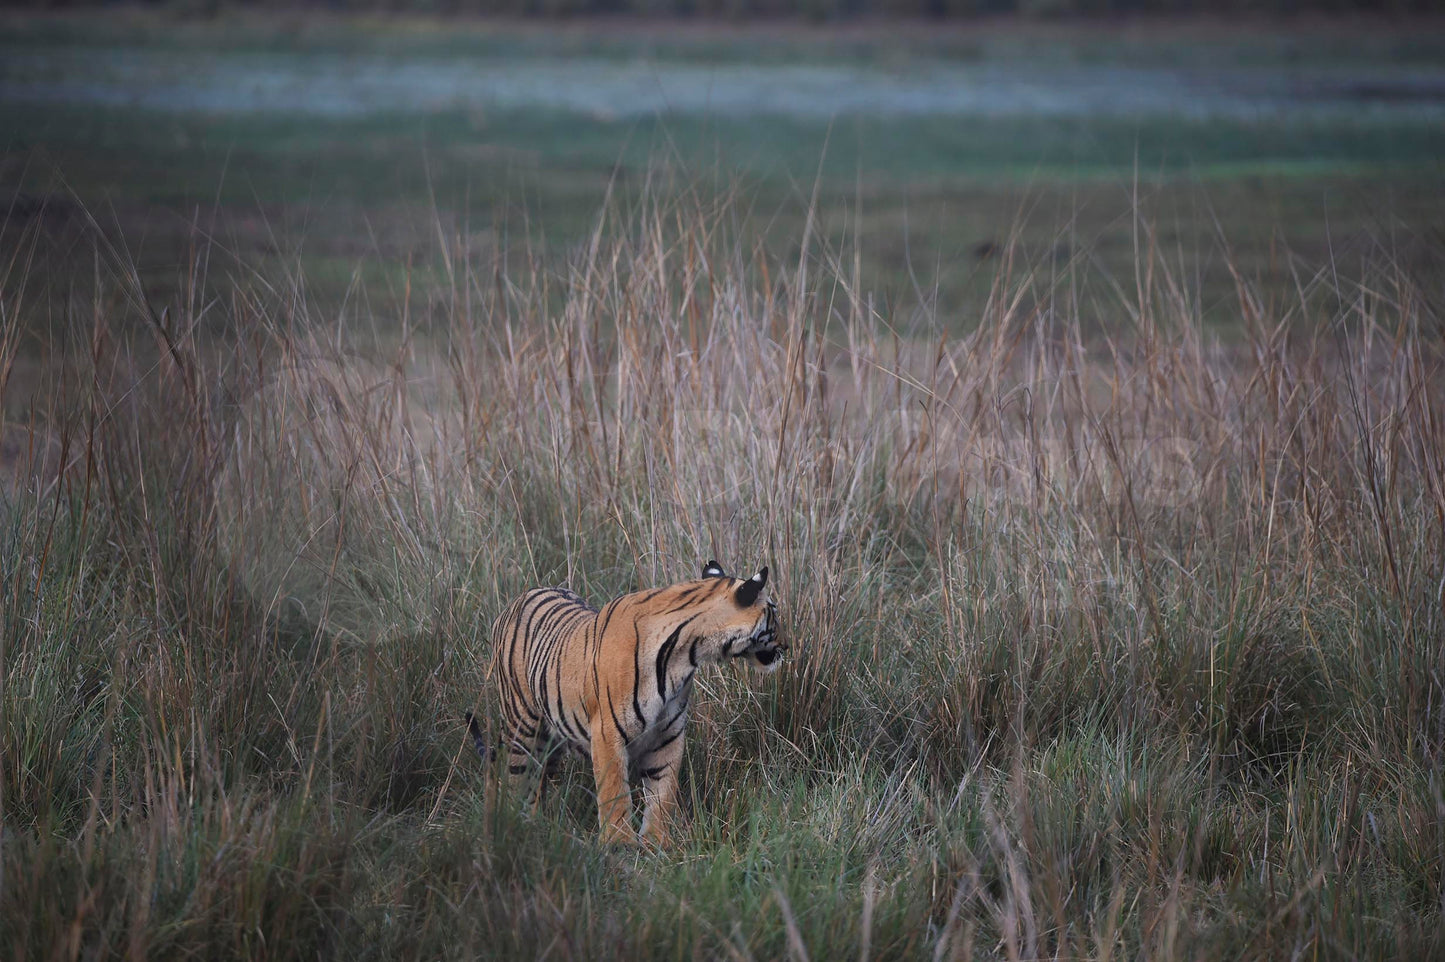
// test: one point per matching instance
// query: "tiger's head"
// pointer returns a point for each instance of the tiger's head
(750, 629)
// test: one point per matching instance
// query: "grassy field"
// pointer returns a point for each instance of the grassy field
(1321, 143)
(1113, 575)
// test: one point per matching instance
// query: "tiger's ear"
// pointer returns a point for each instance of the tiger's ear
(749, 590)
(713, 570)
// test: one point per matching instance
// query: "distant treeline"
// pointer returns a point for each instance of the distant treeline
(816, 9)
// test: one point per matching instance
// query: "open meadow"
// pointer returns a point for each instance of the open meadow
(1084, 390)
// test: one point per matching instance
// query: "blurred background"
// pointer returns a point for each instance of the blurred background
(349, 140)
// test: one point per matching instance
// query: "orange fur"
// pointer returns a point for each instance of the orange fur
(615, 682)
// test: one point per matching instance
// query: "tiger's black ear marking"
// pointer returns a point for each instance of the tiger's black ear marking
(749, 590)
(713, 570)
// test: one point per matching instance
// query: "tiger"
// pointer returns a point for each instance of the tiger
(614, 683)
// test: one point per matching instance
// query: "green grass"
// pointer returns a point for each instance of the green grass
(376, 194)
(1100, 648)
(925, 198)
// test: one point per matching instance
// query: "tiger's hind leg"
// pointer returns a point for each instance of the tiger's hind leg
(530, 758)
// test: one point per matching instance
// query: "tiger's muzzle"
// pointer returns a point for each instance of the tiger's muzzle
(764, 649)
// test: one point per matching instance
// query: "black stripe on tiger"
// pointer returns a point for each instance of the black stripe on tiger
(665, 653)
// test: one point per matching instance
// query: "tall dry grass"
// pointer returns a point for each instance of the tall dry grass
(1110, 646)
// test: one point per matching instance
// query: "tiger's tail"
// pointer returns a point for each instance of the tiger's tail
(478, 738)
